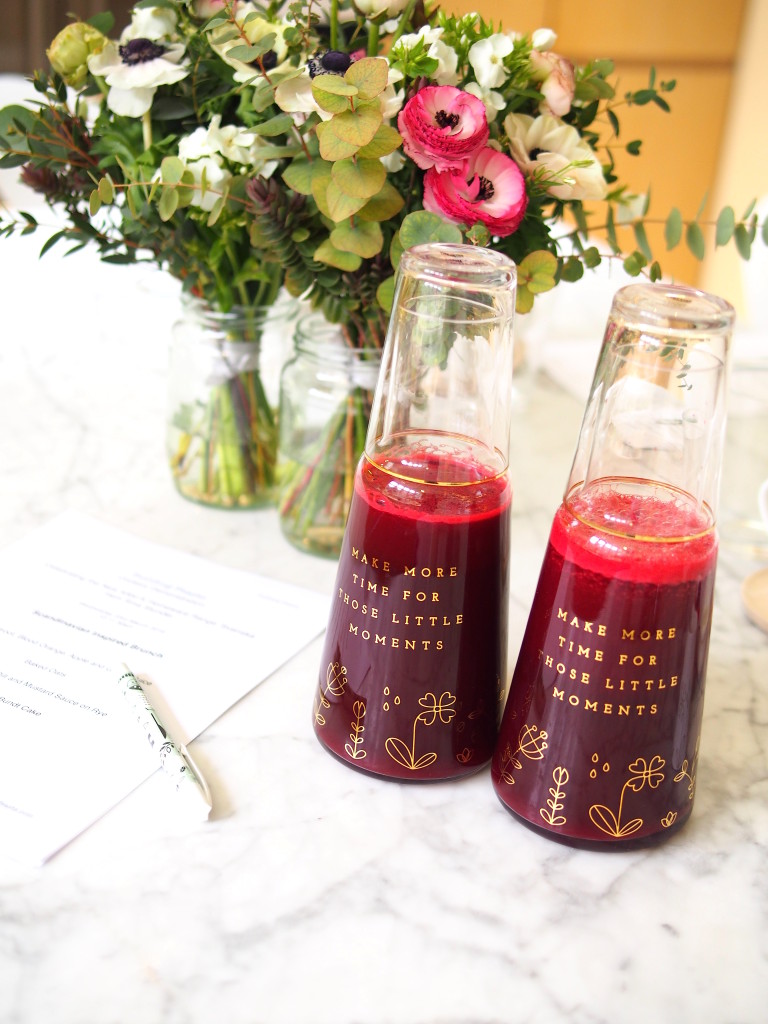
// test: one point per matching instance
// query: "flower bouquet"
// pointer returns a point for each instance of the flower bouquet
(248, 146)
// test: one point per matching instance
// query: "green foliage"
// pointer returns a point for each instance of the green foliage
(235, 191)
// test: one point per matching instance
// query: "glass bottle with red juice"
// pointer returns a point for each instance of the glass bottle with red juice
(599, 742)
(414, 664)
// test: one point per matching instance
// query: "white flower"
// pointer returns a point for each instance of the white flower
(150, 23)
(133, 70)
(545, 144)
(494, 101)
(487, 59)
(216, 178)
(543, 39)
(631, 208)
(253, 28)
(374, 8)
(232, 142)
(447, 61)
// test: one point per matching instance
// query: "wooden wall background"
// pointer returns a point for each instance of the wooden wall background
(696, 42)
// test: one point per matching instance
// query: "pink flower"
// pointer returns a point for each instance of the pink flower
(557, 82)
(442, 127)
(491, 191)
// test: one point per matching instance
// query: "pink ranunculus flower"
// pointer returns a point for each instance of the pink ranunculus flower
(492, 191)
(442, 127)
(557, 80)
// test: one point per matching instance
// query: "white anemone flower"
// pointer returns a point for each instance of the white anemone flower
(487, 59)
(546, 144)
(447, 60)
(134, 69)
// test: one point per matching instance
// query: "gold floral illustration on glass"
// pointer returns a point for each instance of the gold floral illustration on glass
(435, 709)
(689, 772)
(531, 744)
(355, 745)
(335, 683)
(556, 800)
(642, 773)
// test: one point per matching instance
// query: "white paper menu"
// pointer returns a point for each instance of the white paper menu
(78, 599)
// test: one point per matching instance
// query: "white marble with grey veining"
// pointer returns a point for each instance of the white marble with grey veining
(317, 895)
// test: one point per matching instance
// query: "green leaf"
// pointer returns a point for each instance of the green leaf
(360, 178)
(764, 231)
(94, 202)
(327, 253)
(339, 204)
(538, 271)
(50, 242)
(385, 294)
(385, 141)
(345, 133)
(655, 271)
(726, 222)
(610, 230)
(171, 170)
(642, 240)
(385, 205)
(572, 269)
(364, 239)
(634, 263)
(106, 190)
(369, 75)
(421, 227)
(591, 257)
(169, 201)
(694, 239)
(741, 237)
(332, 93)
(298, 176)
(673, 229)
(278, 125)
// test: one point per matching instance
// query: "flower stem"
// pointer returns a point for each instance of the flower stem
(373, 40)
(334, 39)
(146, 128)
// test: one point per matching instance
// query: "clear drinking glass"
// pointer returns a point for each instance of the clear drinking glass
(414, 661)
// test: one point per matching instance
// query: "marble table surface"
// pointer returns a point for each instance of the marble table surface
(317, 894)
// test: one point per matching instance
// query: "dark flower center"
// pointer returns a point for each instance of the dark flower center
(139, 51)
(267, 61)
(486, 190)
(535, 153)
(334, 62)
(446, 120)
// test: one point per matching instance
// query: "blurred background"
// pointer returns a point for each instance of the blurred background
(713, 146)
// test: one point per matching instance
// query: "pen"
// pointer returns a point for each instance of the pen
(174, 758)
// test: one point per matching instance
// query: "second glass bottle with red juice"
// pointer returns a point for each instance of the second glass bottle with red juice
(414, 662)
(599, 742)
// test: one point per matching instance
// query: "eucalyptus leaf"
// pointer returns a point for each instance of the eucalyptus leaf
(673, 228)
(421, 227)
(360, 178)
(726, 223)
(385, 205)
(327, 253)
(369, 75)
(694, 239)
(365, 239)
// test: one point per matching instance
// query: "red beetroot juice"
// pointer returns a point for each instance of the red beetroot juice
(413, 669)
(600, 735)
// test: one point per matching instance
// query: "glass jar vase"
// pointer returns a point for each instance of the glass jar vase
(326, 392)
(223, 384)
